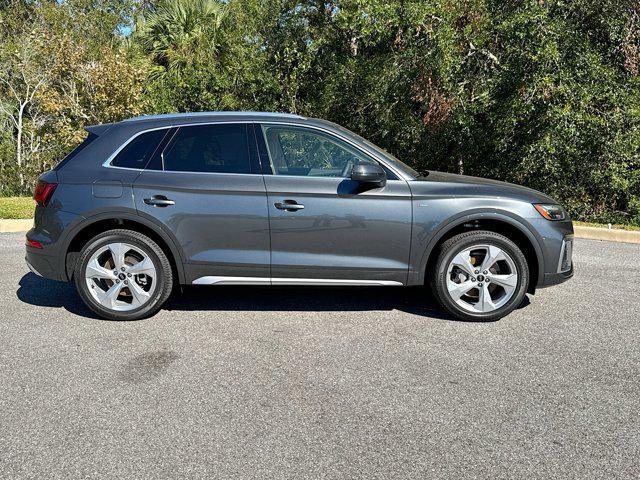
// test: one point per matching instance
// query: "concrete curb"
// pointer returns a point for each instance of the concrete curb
(592, 233)
(609, 235)
(7, 225)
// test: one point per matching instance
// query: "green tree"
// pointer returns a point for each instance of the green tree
(181, 31)
(61, 68)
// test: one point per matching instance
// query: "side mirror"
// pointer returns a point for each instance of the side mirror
(369, 173)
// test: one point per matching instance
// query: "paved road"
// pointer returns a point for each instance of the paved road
(233, 382)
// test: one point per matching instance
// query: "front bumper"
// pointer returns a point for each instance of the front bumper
(564, 269)
(552, 238)
(551, 279)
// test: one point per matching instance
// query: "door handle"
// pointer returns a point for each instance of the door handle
(159, 201)
(289, 206)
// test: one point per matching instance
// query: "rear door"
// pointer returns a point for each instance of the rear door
(205, 187)
(326, 228)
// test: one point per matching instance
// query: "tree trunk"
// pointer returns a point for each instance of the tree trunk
(20, 128)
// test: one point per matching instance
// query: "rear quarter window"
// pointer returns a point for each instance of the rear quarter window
(137, 153)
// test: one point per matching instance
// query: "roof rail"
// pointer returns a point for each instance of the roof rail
(213, 114)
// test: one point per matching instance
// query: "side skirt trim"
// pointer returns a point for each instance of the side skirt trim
(222, 280)
(232, 281)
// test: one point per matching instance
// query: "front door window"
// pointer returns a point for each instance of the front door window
(309, 153)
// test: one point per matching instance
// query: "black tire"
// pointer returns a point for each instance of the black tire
(164, 281)
(452, 247)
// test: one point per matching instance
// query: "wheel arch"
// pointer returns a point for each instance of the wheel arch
(495, 221)
(91, 226)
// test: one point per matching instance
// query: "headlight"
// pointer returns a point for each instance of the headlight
(551, 212)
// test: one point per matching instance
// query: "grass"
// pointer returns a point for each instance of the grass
(17, 207)
(602, 225)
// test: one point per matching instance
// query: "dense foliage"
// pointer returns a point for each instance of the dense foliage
(544, 93)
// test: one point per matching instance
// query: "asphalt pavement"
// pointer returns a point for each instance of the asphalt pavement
(259, 382)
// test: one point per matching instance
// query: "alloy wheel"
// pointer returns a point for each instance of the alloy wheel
(481, 278)
(120, 276)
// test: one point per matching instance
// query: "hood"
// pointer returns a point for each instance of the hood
(441, 183)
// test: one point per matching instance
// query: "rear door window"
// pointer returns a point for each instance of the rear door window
(218, 148)
(137, 153)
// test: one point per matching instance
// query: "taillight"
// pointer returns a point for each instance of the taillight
(43, 193)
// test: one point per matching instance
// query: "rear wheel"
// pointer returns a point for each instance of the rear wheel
(123, 275)
(480, 276)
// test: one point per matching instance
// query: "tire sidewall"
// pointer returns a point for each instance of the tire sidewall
(81, 285)
(510, 248)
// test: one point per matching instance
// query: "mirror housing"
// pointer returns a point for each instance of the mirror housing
(370, 173)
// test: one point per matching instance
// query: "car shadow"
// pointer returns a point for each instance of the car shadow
(412, 300)
(42, 292)
(39, 291)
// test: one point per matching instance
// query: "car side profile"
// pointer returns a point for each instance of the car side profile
(247, 198)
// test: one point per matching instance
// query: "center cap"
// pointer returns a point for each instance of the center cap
(480, 278)
(122, 276)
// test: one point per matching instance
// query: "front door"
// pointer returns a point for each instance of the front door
(325, 227)
(207, 189)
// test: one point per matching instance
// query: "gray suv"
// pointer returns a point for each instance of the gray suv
(249, 198)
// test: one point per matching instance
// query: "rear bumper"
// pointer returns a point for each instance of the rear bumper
(49, 228)
(42, 264)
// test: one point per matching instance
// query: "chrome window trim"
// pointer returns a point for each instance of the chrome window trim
(202, 173)
(341, 179)
(107, 162)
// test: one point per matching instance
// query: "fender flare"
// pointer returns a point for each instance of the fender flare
(123, 214)
(493, 214)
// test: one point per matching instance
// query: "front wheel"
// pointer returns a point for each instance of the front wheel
(123, 275)
(480, 276)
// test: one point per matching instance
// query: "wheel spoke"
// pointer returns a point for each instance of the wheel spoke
(139, 295)
(485, 302)
(508, 281)
(118, 251)
(108, 298)
(463, 261)
(494, 254)
(145, 266)
(457, 290)
(97, 271)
